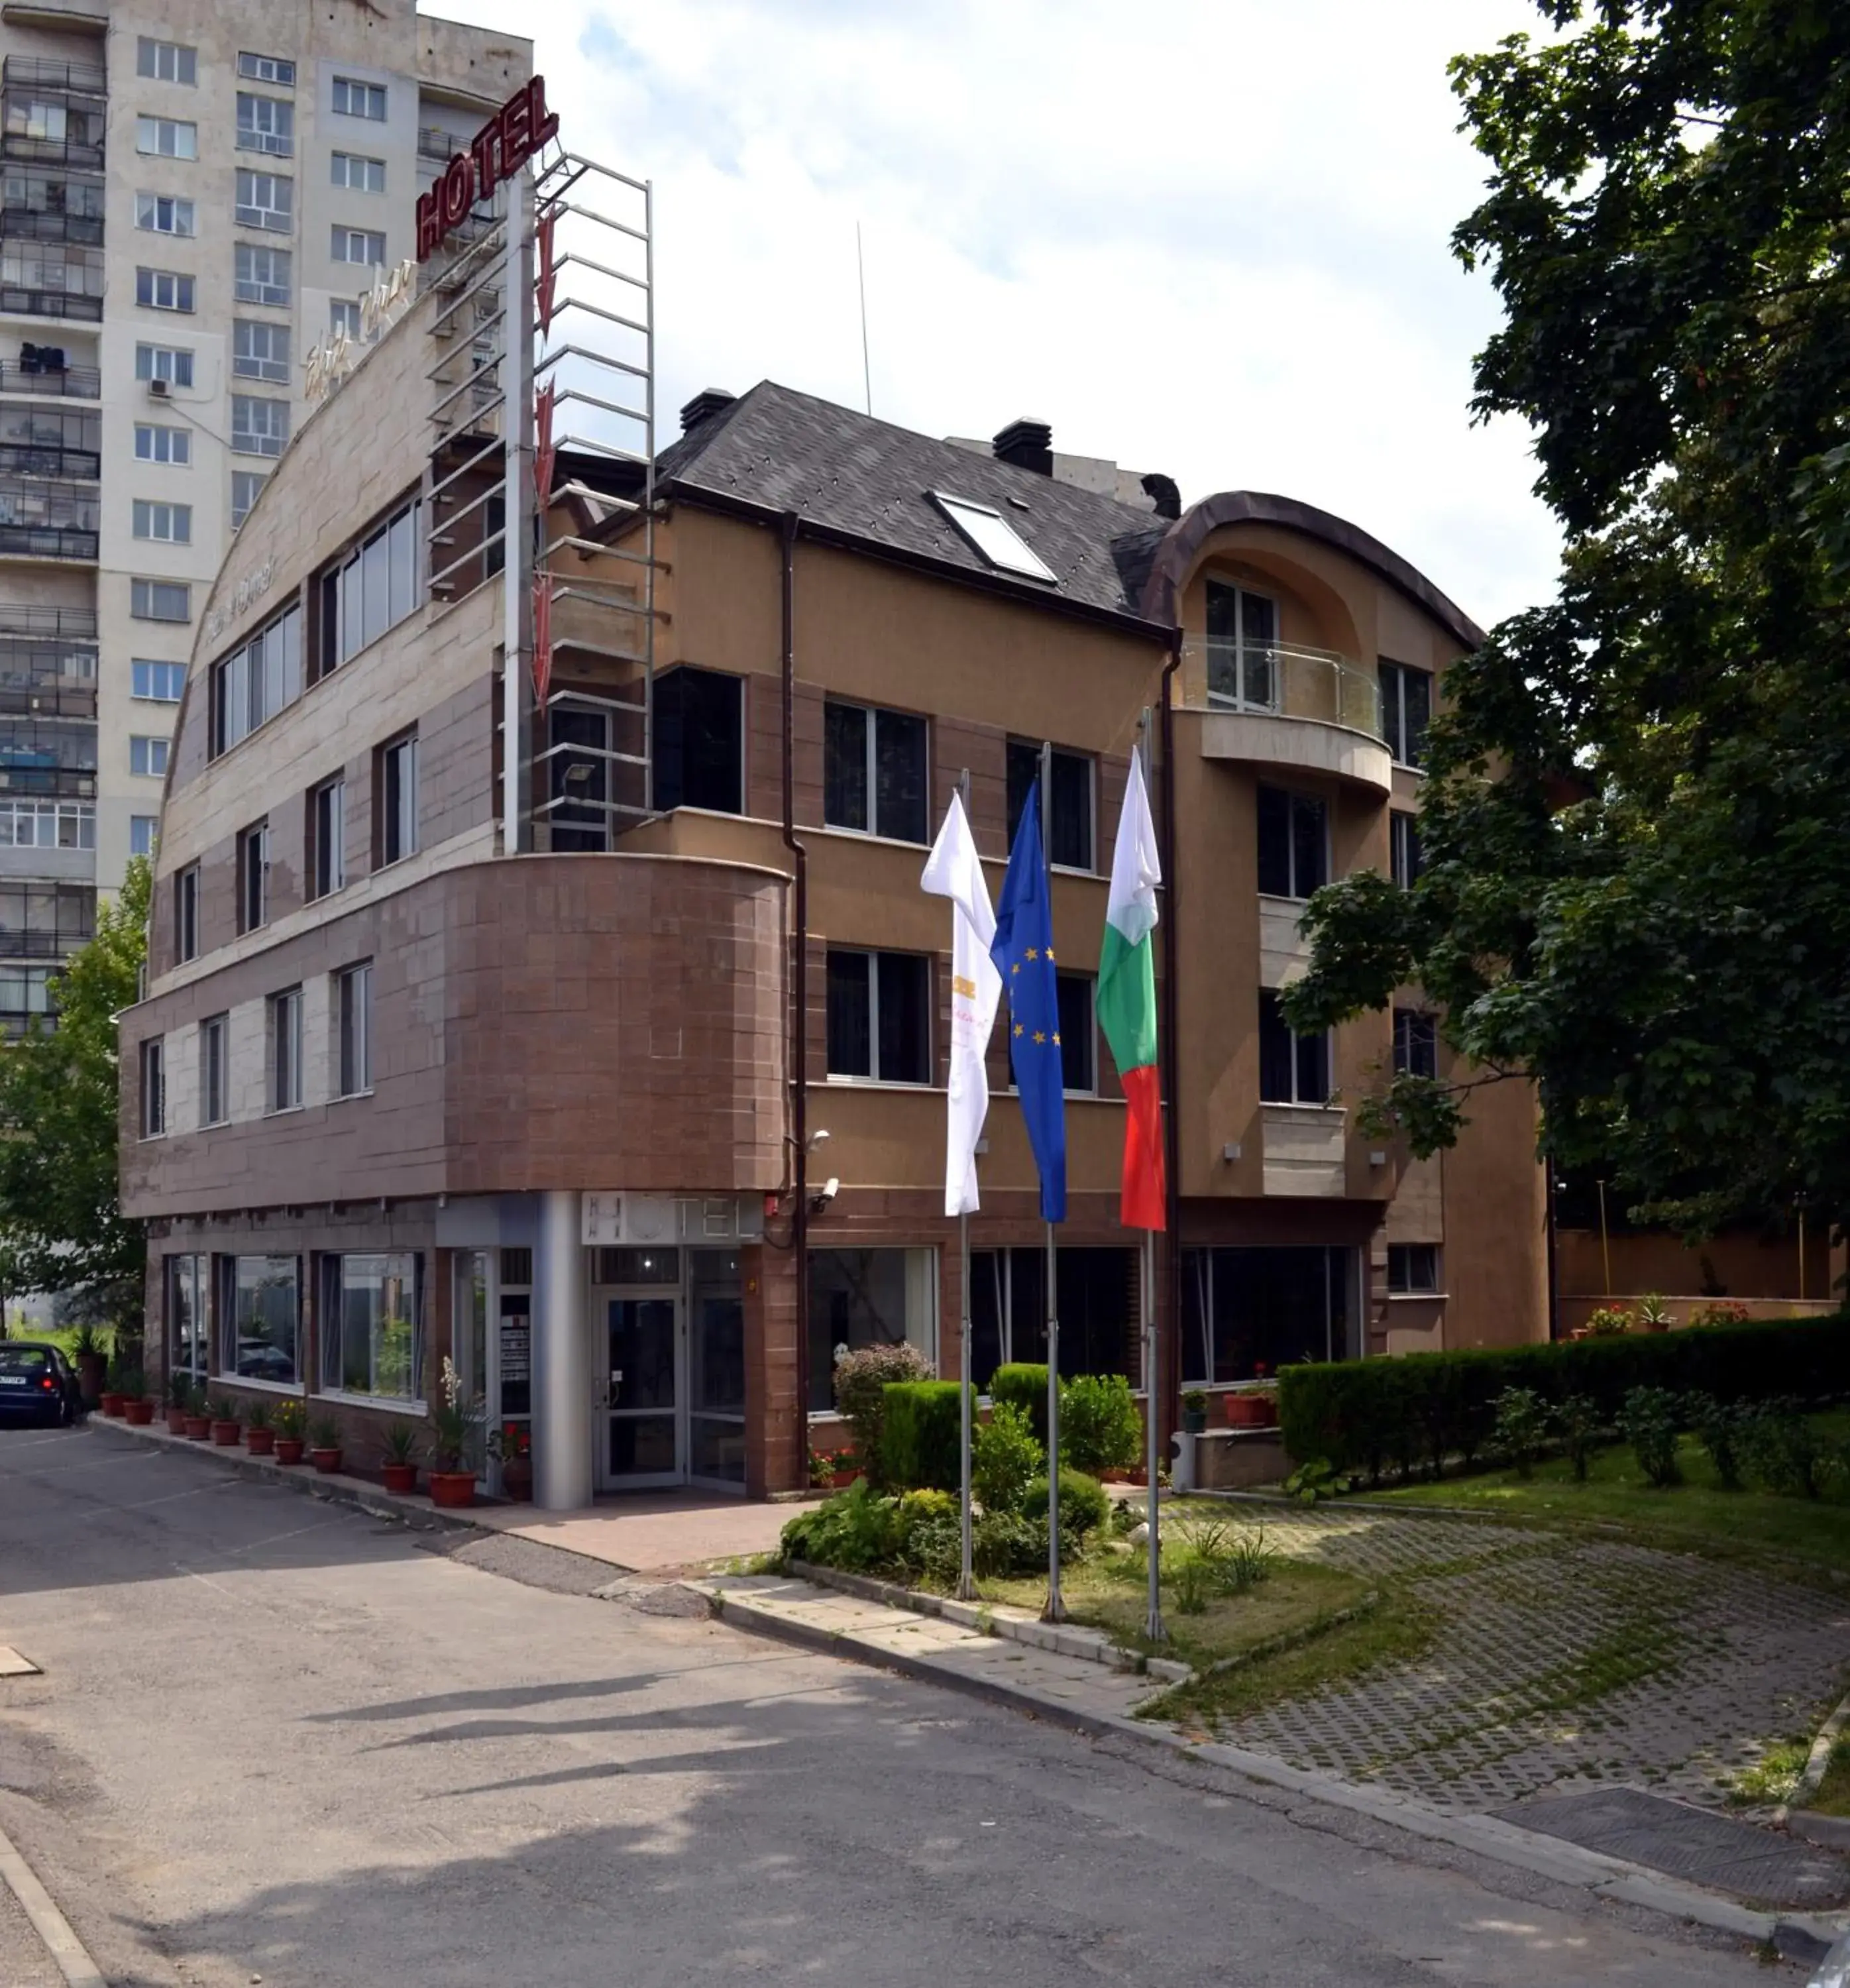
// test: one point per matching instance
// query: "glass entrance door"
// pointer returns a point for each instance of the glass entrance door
(641, 1393)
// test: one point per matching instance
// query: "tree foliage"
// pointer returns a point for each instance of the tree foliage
(61, 1224)
(1637, 820)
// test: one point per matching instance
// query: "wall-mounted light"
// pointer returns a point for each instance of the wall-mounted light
(1230, 1152)
(1377, 1159)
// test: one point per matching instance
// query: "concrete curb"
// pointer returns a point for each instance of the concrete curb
(1832, 1832)
(71, 1955)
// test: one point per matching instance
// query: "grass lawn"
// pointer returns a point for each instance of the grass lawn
(1833, 1796)
(1697, 1514)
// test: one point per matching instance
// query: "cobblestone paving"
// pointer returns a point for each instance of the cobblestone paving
(1561, 1664)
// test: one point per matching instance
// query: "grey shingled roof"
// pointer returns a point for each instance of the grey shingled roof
(869, 480)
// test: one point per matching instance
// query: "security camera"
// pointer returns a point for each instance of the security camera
(824, 1195)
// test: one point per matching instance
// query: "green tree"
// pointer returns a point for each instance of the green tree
(61, 1226)
(1637, 818)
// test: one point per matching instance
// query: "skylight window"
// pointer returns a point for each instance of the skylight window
(992, 535)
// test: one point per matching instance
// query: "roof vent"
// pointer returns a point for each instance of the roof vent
(1164, 496)
(1028, 443)
(708, 402)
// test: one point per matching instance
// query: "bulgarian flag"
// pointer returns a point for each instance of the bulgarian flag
(1127, 1000)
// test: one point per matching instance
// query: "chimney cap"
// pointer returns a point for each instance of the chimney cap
(708, 402)
(1165, 498)
(1028, 443)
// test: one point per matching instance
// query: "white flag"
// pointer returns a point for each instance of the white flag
(953, 871)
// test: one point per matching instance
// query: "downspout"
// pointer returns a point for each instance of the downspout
(800, 1007)
(1167, 1054)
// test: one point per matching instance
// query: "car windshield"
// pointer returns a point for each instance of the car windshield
(33, 1359)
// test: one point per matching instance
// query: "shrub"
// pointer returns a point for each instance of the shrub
(1608, 1322)
(917, 1511)
(1783, 1449)
(921, 1436)
(1084, 1506)
(1727, 1313)
(855, 1529)
(1522, 1424)
(934, 1546)
(1005, 1456)
(1024, 1385)
(1004, 1543)
(1648, 1421)
(1100, 1428)
(1720, 1427)
(860, 1381)
(1577, 1420)
(1312, 1481)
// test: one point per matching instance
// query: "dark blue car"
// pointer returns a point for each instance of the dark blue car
(37, 1384)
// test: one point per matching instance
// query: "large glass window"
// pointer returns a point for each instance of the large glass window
(371, 587)
(266, 124)
(285, 1049)
(259, 427)
(166, 62)
(879, 1015)
(260, 1304)
(163, 524)
(1293, 1068)
(355, 99)
(1294, 844)
(357, 172)
(215, 1069)
(716, 1363)
(1096, 1291)
(186, 1305)
(1243, 635)
(1078, 1037)
(1406, 710)
(1247, 1313)
(868, 1297)
(160, 601)
(1069, 830)
(261, 275)
(164, 214)
(160, 683)
(354, 999)
(254, 877)
(1415, 1043)
(397, 788)
(327, 838)
(171, 362)
(874, 777)
(166, 138)
(256, 680)
(264, 200)
(1413, 1269)
(1403, 848)
(260, 351)
(164, 289)
(370, 1343)
(699, 741)
(153, 1087)
(357, 245)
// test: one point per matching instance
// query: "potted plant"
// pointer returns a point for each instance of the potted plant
(324, 1445)
(1653, 1313)
(109, 1397)
(138, 1410)
(1194, 1412)
(512, 1445)
(401, 1465)
(179, 1388)
(1256, 1407)
(454, 1418)
(92, 1363)
(289, 1432)
(198, 1421)
(259, 1433)
(226, 1427)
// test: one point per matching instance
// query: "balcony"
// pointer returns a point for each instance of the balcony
(69, 382)
(33, 780)
(44, 280)
(67, 78)
(441, 145)
(23, 617)
(39, 459)
(48, 520)
(1283, 704)
(39, 223)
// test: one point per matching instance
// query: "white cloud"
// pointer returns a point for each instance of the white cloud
(1210, 238)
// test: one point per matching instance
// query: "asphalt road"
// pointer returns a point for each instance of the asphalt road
(278, 1738)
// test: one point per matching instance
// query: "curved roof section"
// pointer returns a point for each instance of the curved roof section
(1181, 544)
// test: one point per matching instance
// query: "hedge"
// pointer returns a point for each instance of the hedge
(1025, 1384)
(1418, 1407)
(921, 1436)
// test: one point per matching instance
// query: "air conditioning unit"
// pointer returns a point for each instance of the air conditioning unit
(159, 390)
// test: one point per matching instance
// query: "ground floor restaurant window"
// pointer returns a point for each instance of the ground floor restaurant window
(1246, 1312)
(716, 1366)
(186, 1302)
(260, 1304)
(1096, 1296)
(868, 1297)
(369, 1313)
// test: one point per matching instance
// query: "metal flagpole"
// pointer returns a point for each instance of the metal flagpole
(1055, 1609)
(966, 1579)
(1153, 1627)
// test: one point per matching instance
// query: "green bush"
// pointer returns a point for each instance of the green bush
(1100, 1429)
(1522, 1425)
(1783, 1449)
(1577, 1420)
(1024, 1385)
(1648, 1421)
(1720, 1426)
(1005, 1456)
(854, 1530)
(1358, 1414)
(860, 1381)
(921, 1436)
(1084, 1506)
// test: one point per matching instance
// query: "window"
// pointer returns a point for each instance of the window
(1069, 832)
(47, 825)
(245, 484)
(1097, 1301)
(254, 877)
(162, 289)
(264, 200)
(369, 1326)
(1078, 1037)
(1413, 1268)
(1406, 710)
(991, 535)
(155, 444)
(266, 69)
(261, 275)
(327, 838)
(186, 1302)
(874, 772)
(1293, 844)
(1403, 849)
(356, 1011)
(699, 741)
(143, 830)
(259, 1300)
(260, 351)
(1249, 1312)
(166, 62)
(354, 98)
(163, 213)
(361, 175)
(153, 1087)
(172, 363)
(398, 788)
(171, 524)
(1293, 1068)
(166, 138)
(162, 682)
(259, 427)
(160, 601)
(266, 124)
(879, 1015)
(285, 1049)
(868, 1297)
(358, 244)
(1415, 1043)
(1242, 636)
(371, 587)
(186, 914)
(147, 757)
(215, 1070)
(343, 317)
(255, 681)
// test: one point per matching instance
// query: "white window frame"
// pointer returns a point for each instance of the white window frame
(151, 681)
(152, 751)
(341, 245)
(870, 715)
(146, 591)
(265, 199)
(156, 442)
(874, 955)
(280, 70)
(1399, 1275)
(343, 318)
(270, 128)
(400, 824)
(256, 289)
(266, 365)
(153, 1087)
(174, 363)
(166, 62)
(1255, 665)
(215, 1069)
(181, 215)
(252, 442)
(255, 479)
(252, 852)
(1293, 798)
(327, 804)
(348, 87)
(143, 833)
(1406, 857)
(161, 523)
(994, 540)
(186, 914)
(369, 178)
(1393, 678)
(166, 138)
(353, 1006)
(166, 290)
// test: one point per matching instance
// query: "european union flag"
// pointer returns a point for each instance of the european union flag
(1023, 954)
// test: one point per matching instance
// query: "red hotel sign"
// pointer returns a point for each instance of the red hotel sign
(496, 153)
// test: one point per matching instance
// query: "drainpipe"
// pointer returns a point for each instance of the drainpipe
(800, 1006)
(1168, 1048)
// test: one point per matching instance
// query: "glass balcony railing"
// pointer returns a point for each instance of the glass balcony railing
(42, 73)
(1282, 680)
(72, 383)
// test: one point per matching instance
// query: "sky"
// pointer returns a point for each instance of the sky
(1212, 239)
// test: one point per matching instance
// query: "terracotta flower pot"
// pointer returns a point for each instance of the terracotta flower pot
(400, 1479)
(198, 1428)
(225, 1435)
(260, 1442)
(176, 1421)
(91, 1367)
(453, 1489)
(111, 1405)
(517, 1478)
(138, 1413)
(1251, 1411)
(326, 1461)
(288, 1449)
